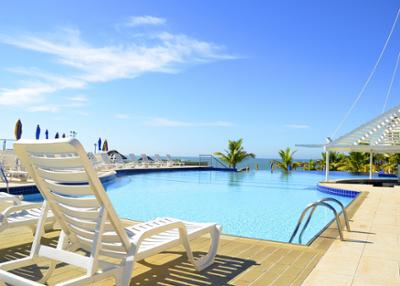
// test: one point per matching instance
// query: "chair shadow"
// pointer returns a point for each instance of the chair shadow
(32, 272)
(180, 271)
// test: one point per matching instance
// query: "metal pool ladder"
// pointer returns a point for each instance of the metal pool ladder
(313, 207)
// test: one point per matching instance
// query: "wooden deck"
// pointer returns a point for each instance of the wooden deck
(240, 261)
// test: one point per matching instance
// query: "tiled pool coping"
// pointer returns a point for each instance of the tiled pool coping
(337, 191)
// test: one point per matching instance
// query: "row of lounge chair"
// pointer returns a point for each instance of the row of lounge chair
(12, 168)
(103, 161)
(75, 199)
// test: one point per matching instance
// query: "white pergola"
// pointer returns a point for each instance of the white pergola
(380, 135)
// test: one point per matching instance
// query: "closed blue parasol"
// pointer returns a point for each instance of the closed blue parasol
(47, 134)
(99, 144)
(37, 135)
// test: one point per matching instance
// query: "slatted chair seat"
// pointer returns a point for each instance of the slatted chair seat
(74, 195)
(21, 214)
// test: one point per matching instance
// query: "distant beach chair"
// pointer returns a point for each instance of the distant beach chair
(132, 161)
(171, 162)
(89, 222)
(132, 157)
(158, 161)
(103, 161)
(12, 166)
(117, 160)
(18, 213)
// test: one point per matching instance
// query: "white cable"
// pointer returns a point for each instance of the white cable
(369, 77)
(389, 91)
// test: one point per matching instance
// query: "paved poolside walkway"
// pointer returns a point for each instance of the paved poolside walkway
(371, 256)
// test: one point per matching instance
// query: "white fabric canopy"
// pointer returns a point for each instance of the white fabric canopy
(380, 135)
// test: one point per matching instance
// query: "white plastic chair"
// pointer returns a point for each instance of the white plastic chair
(145, 161)
(89, 222)
(158, 161)
(18, 213)
(12, 166)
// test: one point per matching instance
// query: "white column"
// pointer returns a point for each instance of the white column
(371, 156)
(326, 165)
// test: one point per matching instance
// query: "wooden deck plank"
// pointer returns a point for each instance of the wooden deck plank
(240, 261)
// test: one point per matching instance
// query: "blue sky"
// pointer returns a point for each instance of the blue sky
(183, 77)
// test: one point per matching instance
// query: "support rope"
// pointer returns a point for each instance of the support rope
(369, 77)
(389, 91)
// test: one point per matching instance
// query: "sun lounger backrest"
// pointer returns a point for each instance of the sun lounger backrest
(117, 158)
(65, 177)
(9, 161)
(144, 158)
(132, 157)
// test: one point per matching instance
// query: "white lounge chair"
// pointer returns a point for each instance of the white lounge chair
(18, 213)
(158, 161)
(103, 161)
(89, 222)
(12, 167)
(132, 163)
(145, 162)
(117, 160)
(171, 162)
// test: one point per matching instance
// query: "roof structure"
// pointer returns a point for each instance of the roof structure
(379, 135)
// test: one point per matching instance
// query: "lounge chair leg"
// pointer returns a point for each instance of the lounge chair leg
(208, 259)
(33, 229)
(49, 271)
(125, 276)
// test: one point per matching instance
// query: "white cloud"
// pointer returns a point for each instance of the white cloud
(297, 126)
(121, 116)
(44, 108)
(76, 101)
(24, 95)
(78, 98)
(145, 20)
(164, 52)
(165, 122)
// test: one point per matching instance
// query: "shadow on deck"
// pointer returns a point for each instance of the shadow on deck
(167, 268)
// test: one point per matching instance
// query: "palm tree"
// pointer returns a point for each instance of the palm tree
(390, 163)
(336, 161)
(356, 162)
(311, 165)
(286, 163)
(235, 153)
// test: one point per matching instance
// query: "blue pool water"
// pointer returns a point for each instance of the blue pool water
(256, 204)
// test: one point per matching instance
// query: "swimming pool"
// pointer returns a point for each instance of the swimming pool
(256, 204)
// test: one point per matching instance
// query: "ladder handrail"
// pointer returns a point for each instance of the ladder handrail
(339, 225)
(4, 178)
(346, 219)
(211, 157)
(313, 206)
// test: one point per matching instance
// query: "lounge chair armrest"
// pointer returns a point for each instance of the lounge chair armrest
(157, 229)
(21, 207)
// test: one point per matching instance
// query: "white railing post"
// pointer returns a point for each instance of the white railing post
(370, 164)
(326, 165)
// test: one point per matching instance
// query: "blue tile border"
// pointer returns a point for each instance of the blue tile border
(337, 191)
